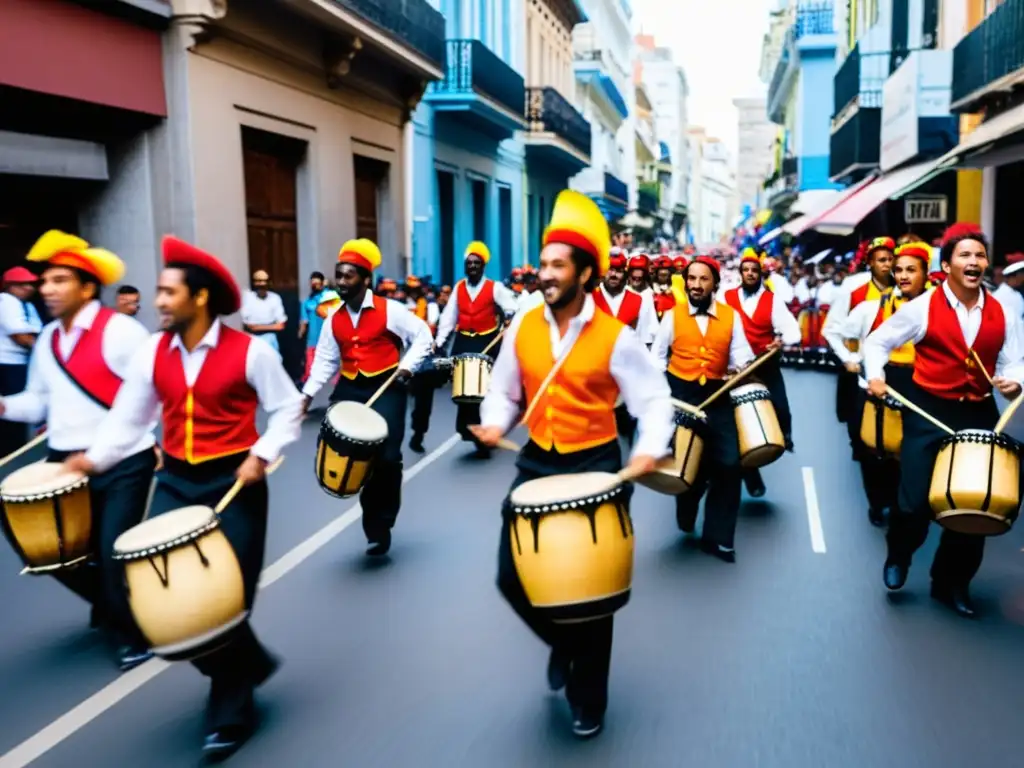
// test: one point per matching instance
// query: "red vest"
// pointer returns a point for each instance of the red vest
(86, 367)
(368, 347)
(479, 315)
(216, 416)
(758, 329)
(663, 302)
(860, 294)
(629, 308)
(943, 364)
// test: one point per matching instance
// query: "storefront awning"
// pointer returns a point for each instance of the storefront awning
(801, 224)
(769, 236)
(815, 200)
(843, 218)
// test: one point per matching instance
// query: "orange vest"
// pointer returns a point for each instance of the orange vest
(696, 356)
(577, 411)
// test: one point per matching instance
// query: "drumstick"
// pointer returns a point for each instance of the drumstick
(544, 385)
(919, 411)
(237, 487)
(508, 445)
(685, 406)
(981, 365)
(24, 449)
(736, 379)
(494, 341)
(383, 387)
(1008, 413)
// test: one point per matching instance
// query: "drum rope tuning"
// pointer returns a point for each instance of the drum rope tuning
(737, 379)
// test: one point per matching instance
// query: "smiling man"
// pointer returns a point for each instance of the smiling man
(953, 329)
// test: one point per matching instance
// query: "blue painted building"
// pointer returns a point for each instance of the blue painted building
(468, 160)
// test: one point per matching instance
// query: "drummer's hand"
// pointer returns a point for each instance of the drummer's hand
(777, 344)
(77, 462)
(252, 470)
(852, 366)
(159, 458)
(306, 400)
(403, 374)
(876, 388)
(642, 464)
(489, 436)
(1007, 387)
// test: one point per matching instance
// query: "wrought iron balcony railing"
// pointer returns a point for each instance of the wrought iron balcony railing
(860, 78)
(992, 50)
(414, 22)
(814, 18)
(548, 112)
(472, 68)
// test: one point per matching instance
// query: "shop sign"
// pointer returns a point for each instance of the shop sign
(919, 88)
(925, 210)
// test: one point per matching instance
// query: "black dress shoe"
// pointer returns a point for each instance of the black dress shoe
(725, 554)
(789, 445)
(130, 656)
(895, 574)
(224, 742)
(558, 670)
(755, 485)
(380, 547)
(586, 726)
(876, 516)
(957, 598)
(416, 443)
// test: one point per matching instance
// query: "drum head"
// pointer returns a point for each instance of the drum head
(690, 420)
(39, 481)
(357, 422)
(546, 494)
(747, 393)
(166, 531)
(474, 356)
(984, 437)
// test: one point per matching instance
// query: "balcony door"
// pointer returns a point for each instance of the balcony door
(505, 229)
(446, 226)
(370, 175)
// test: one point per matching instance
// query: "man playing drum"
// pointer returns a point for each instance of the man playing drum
(76, 370)
(365, 338)
(955, 329)
(475, 314)
(698, 343)
(209, 380)
(572, 424)
(881, 473)
(767, 325)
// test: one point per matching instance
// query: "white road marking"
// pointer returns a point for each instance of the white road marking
(813, 517)
(74, 720)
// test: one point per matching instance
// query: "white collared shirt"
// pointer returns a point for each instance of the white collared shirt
(16, 316)
(433, 313)
(506, 300)
(1010, 298)
(138, 402)
(413, 333)
(644, 389)
(783, 322)
(72, 417)
(740, 353)
(911, 324)
(832, 331)
(647, 323)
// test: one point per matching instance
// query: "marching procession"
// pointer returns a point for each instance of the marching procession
(613, 371)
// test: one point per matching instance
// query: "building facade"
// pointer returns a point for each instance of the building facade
(756, 156)
(469, 157)
(712, 188)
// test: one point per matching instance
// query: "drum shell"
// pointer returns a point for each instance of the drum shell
(975, 483)
(677, 473)
(343, 465)
(200, 602)
(50, 532)
(760, 436)
(577, 564)
(891, 423)
(471, 377)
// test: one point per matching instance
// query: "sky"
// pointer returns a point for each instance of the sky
(718, 44)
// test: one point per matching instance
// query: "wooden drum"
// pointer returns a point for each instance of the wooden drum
(761, 439)
(677, 473)
(975, 484)
(881, 426)
(351, 437)
(471, 376)
(184, 582)
(572, 543)
(47, 516)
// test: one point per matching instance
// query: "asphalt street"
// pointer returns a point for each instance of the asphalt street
(795, 656)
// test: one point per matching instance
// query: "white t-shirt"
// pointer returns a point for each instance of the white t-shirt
(266, 311)
(16, 317)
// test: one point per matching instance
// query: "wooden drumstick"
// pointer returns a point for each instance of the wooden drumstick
(1008, 413)
(237, 487)
(737, 379)
(494, 341)
(682, 405)
(24, 449)
(916, 409)
(383, 387)
(981, 365)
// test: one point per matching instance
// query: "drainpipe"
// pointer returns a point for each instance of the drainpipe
(525, 256)
(408, 139)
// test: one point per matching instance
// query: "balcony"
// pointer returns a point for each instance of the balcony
(814, 18)
(988, 63)
(596, 66)
(413, 25)
(783, 80)
(481, 89)
(648, 198)
(558, 135)
(857, 121)
(607, 190)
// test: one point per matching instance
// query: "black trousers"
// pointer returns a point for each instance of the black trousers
(719, 475)
(880, 473)
(468, 414)
(241, 664)
(421, 389)
(625, 424)
(846, 395)
(118, 498)
(588, 644)
(13, 434)
(959, 555)
(381, 497)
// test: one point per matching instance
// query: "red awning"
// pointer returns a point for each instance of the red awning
(64, 49)
(806, 222)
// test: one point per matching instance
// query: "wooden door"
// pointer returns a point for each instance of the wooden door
(369, 174)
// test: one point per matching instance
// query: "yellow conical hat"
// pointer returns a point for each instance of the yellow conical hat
(64, 250)
(577, 221)
(478, 248)
(362, 252)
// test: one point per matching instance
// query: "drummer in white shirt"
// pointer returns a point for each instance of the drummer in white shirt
(1009, 291)
(262, 311)
(79, 363)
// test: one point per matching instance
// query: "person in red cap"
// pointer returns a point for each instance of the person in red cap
(679, 265)
(965, 346)
(698, 344)
(1010, 291)
(369, 338)
(638, 267)
(880, 473)
(76, 371)
(208, 381)
(19, 327)
(661, 285)
(767, 324)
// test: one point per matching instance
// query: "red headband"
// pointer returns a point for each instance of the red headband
(357, 259)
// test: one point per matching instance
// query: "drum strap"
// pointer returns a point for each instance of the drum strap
(96, 397)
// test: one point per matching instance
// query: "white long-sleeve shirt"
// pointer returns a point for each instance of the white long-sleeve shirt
(138, 402)
(643, 387)
(506, 300)
(838, 311)
(1011, 299)
(433, 313)
(911, 324)
(740, 353)
(413, 333)
(647, 322)
(268, 310)
(857, 325)
(783, 322)
(73, 418)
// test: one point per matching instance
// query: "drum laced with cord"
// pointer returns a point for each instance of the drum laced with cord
(350, 441)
